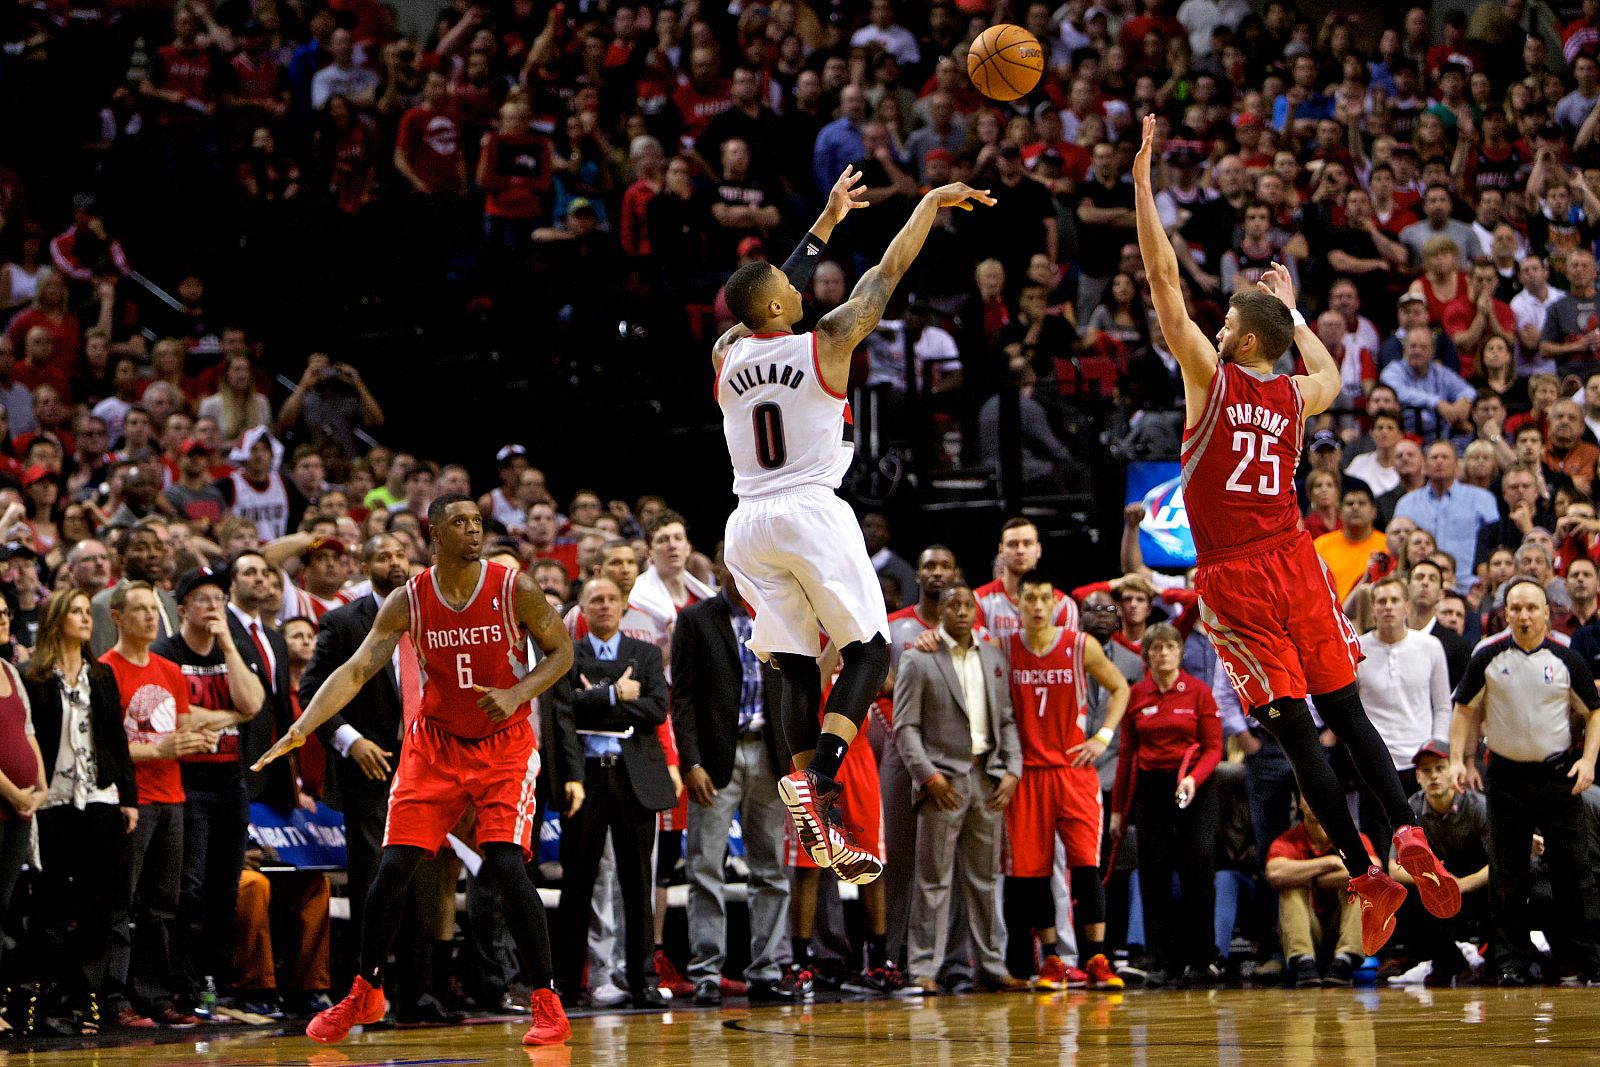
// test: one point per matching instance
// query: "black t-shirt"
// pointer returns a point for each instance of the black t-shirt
(736, 193)
(678, 231)
(1016, 223)
(1372, 285)
(1056, 338)
(1100, 246)
(1552, 239)
(207, 676)
(760, 134)
(1210, 228)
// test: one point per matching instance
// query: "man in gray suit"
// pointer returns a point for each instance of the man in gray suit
(954, 730)
(146, 557)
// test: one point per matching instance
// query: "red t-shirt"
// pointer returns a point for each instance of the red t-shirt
(154, 698)
(431, 142)
(1458, 316)
(1297, 845)
(564, 553)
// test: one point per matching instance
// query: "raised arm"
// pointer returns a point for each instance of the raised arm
(1319, 386)
(1195, 354)
(343, 684)
(843, 198)
(846, 326)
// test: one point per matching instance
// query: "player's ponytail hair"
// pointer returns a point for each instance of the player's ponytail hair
(1265, 316)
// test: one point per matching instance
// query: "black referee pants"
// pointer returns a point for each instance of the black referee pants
(1522, 797)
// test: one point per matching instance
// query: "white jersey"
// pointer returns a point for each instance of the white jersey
(268, 508)
(785, 428)
(507, 514)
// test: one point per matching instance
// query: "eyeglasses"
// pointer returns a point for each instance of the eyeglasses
(1103, 608)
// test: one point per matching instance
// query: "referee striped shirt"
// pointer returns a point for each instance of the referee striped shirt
(1527, 698)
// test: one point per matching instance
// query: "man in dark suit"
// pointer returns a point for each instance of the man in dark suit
(729, 750)
(1426, 589)
(366, 734)
(619, 698)
(267, 655)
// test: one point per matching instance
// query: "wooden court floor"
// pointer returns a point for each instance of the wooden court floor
(1261, 1028)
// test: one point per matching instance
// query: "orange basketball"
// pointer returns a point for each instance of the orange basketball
(1005, 62)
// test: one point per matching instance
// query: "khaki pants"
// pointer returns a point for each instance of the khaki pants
(1301, 929)
(296, 902)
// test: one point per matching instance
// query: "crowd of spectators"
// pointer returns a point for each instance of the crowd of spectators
(177, 524)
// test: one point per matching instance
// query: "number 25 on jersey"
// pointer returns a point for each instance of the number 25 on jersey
(1251, 446)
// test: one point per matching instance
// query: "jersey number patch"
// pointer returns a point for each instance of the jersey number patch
(771, 451)
(1245, 445)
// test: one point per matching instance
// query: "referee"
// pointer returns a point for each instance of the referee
(1525, 687)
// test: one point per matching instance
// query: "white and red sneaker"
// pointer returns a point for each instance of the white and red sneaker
(851, 862)
(363, 1006)
(808, 803)
(550, 1025)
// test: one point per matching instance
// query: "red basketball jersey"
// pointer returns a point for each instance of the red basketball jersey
(482, 644)
(1049, 697)
(1239, 462)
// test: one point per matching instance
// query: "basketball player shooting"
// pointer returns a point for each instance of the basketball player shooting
(1266, 600)
(793, 546)
(471, 742)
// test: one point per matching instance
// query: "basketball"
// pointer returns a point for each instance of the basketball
(1005, 62)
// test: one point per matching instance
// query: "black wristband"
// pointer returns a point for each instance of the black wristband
(802, 262)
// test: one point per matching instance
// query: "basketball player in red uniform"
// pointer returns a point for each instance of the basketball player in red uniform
(793, 546)
(468, 623)
(1058, 795)
(1266, 600)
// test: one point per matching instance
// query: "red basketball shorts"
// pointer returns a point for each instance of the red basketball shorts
(1277, 625)
(1053, 803)
(860, 804)
(440, 774)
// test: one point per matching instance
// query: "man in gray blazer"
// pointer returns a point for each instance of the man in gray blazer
(954, 730)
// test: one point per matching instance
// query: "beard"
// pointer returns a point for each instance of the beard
(1228, 351)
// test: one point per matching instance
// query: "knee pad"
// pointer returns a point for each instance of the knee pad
(1088, 895)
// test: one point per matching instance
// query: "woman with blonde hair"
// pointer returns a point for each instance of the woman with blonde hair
(91, 802)
(1442, 279)
(1479, 466)
(236, 405)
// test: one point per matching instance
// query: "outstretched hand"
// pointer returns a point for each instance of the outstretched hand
(286, 744)
(961, 195)
(1276, 282)
(845, 196)
(1141, 158)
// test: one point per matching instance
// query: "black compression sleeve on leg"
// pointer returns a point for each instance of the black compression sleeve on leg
(1088, 895)
(1290, 722)
(383, 913)
(801, 700)
(802, 262)
(864, 666)
(1342, 711)
(505, 872)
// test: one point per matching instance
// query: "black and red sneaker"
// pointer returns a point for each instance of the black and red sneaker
(1437, 887)
(362, 1007)
(808, 797)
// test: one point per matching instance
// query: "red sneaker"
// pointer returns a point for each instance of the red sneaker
(1381, 896)
(364, 1005)
(1437, 887)
(668, 980)
(1076, 978)
(732, 987)
(550, 1025)
(1101, 975)
(851, 862)
(808, 806)
(1052, 974)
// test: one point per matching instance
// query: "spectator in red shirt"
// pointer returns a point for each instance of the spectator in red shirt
(1171, 742)
(1475, 316)
(514, 174)
(77, 249)
(427, 149)
(701, 95)
(183, 75)
(49, 312)
(1311, 880)
(541, 537)
(649, 168)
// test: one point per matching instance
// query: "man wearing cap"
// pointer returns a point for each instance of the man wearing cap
(506, 503)
(224, 693)
(944, 130)
(1412, 310)
(195, 496)
(321, 579)
(1519, 694)
(257, 491)
(1457, 825)
(146, 557)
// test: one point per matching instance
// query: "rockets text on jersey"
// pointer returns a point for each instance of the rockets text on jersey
(1050, 697)
(481, 643)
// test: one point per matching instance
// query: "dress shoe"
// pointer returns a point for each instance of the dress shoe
(708, 993)
(772, 993)
(1001, 983)
(127, 1018)
(649, 998)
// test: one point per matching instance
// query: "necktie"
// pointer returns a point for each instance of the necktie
(266, 659)
(410, 680)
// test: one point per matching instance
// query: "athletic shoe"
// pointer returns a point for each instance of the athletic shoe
(1381, 896)
(362, 1007)
(650, 999)
(129, 1019)
(1156, 978)
(1052, 975)
(609, 995)
(1341, 973)
(1101, 976)
(171, 1016)
(1303, 973)
(669, 979)
(1437, 887)
(808, 801)
(550, 1025)
(1077, 978)
(851, 862)
(797, 983)
(778, 992)
(1513, 978)
(732, 987)
(707, 993)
